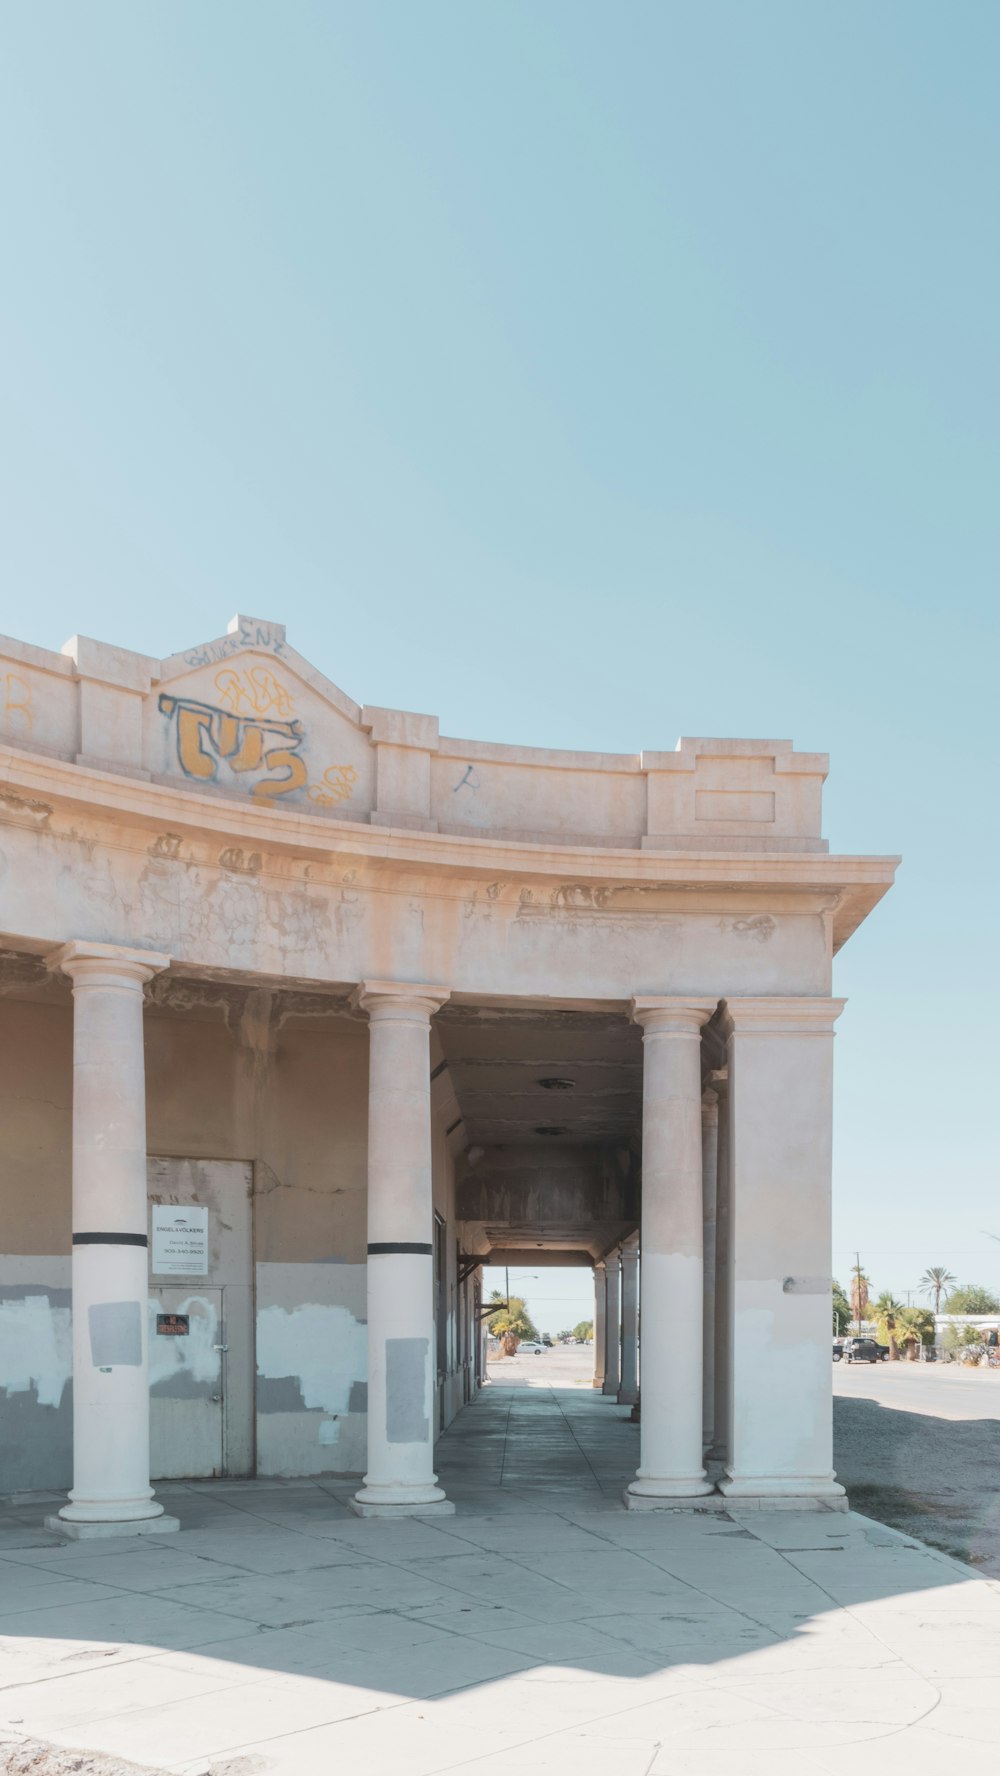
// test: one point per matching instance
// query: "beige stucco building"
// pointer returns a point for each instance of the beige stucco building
(308, 1010)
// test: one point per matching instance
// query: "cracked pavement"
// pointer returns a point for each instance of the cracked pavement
(541, 1627)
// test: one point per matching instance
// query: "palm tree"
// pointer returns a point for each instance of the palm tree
(935, 1280)
(917, 1328)
(859, 1294)
(887, 1311)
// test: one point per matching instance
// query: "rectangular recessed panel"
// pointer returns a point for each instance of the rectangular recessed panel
(734, 804)
(405, 1390)
(115, 1334)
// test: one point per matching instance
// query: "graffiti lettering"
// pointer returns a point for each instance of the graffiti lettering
(206, 734)
(15, 702)
(249, 635)
(335, 785)
(254, 691)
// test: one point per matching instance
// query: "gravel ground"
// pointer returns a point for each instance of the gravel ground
(29, 1757)
(919, 1448)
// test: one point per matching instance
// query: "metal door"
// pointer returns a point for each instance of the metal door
(187, 1369)
(194, 1384)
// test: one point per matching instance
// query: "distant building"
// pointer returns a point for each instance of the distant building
(983, 1323)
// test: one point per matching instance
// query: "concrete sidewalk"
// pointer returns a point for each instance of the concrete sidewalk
(542, 1628)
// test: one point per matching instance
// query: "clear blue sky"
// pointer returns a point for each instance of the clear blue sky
(584, 374)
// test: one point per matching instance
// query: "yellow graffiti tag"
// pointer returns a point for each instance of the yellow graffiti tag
(206, 734)
(254, 691)
(15, 701)
(335, 785)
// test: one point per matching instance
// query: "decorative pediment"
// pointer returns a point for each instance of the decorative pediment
(246, 714)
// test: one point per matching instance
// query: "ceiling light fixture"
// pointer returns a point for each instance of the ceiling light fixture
(558, 1085)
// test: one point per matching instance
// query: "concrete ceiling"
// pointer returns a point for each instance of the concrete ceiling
(498, 1058)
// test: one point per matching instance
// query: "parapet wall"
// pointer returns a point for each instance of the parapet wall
(245, 716)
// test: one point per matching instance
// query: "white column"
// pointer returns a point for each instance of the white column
(709, 1187)
(401, 1345)
(600, 1322)
(111, 1492)
(628, 1392)
(780, 1107)
(613, 1325)
(672, 1281)
(719, 1450)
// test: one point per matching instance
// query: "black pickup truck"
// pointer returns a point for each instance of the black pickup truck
(860, 1350)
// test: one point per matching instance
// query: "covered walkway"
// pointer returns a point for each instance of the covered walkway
(549, 1445)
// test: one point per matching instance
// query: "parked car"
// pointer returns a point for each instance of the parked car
(530, 1347)
(865, 1350)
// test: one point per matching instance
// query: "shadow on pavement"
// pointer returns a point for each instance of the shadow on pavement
(277, 1631)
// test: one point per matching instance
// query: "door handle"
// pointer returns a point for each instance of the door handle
(220, 1347)
(215, 1397)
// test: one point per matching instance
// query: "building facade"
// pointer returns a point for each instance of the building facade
(309, 1011)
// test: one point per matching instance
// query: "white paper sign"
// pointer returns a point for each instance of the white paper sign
(180, 1241)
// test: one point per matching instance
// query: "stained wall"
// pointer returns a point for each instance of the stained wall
(249, 1075)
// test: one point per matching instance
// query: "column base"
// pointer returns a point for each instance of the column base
(628, 1396)
(707, 1501)
(401, 1501)
(774, 1492)
(610, 1390)
(442, 1507)
(645, 1494)
(129, 1526)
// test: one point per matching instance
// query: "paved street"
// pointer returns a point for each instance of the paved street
(541, 1628)
(918, 1445)
(565, 1365)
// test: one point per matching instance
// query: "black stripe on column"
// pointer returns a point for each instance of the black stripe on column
(110, 1239)
(417, 1246)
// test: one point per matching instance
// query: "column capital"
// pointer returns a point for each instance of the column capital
(601, 1263)
(661, 1015)
(399, 999)
(781, 1016)
(106, 965)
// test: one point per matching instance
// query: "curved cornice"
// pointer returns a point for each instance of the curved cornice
(854, 884)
